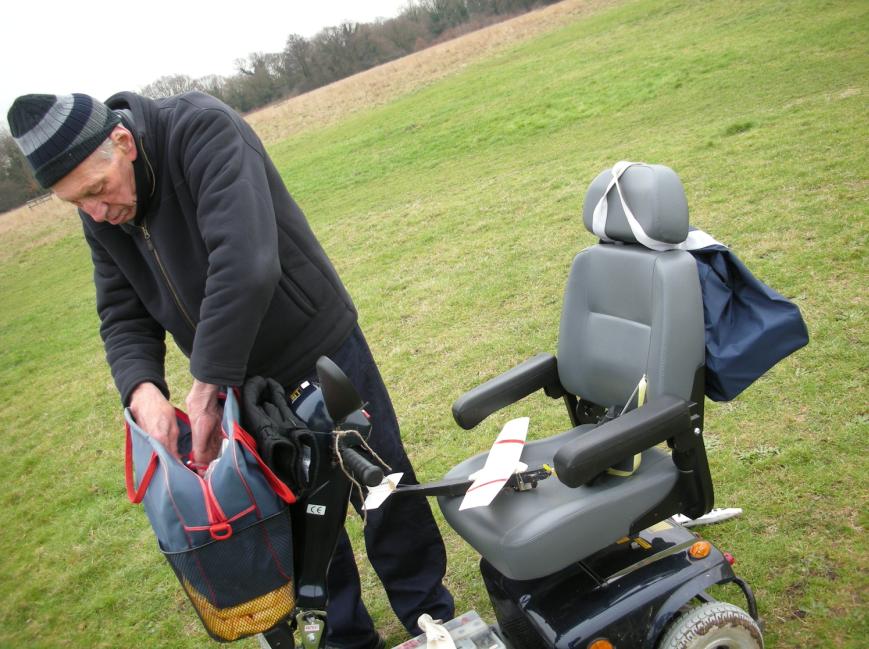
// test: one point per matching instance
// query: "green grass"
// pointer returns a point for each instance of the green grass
(453, 214)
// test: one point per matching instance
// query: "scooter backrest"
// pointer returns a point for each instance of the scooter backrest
(630, 311)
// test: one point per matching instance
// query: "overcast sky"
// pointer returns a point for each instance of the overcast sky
(100, 47)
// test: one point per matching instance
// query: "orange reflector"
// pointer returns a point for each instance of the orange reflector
(600, 643)
(700, 550)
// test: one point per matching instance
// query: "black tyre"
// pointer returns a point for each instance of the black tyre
(714, 625)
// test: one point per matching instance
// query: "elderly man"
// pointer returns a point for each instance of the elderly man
(192, 231)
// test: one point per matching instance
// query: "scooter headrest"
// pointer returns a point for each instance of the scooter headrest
(652, 193)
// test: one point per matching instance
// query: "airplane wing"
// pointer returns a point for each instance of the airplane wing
(500, 464)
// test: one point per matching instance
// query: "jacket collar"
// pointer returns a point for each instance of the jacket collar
(130, 107)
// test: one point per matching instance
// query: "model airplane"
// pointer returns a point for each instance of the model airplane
(501, 470)
(501, 463)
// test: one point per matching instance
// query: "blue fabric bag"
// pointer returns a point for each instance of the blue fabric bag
(749, 326)
(227, 533)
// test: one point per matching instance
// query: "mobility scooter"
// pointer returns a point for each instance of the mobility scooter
(591, 557)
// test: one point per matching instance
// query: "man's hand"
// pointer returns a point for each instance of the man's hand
(155, 415)
(205, 416)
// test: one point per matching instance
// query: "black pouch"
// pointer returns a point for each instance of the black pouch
(283, 440)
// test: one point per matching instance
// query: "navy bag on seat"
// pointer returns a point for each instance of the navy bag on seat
(749, 326)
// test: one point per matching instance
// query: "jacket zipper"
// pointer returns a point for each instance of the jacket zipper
(163, 272)
(153, 249)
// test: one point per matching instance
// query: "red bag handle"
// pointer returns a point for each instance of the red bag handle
(277, 485)
(136, 495)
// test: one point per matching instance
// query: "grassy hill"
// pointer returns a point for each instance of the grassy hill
(451, 206)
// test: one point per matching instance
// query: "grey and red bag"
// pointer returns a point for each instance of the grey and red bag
(227, 535)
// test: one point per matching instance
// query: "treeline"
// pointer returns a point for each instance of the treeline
(304, 64)
(338, 52)
(17, 184)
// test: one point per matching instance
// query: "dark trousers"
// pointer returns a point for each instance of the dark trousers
(402, 540)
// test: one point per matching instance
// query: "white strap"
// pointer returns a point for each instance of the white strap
(698, 239)
(598, 221)
(600, 213)
(639, 392)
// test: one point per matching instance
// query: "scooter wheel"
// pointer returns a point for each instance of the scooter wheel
(714, 625)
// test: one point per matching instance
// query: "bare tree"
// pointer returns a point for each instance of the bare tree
(17, 184)
(444, 14)
(298, 67)
(213, 84)
(335, 47)
(257, 83)
(172, 84)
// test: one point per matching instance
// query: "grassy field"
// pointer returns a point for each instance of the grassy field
(452, 210)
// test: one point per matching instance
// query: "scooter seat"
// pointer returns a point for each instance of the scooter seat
(535, 533)
(632, 316)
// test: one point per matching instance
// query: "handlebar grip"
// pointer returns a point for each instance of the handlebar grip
(360, 468)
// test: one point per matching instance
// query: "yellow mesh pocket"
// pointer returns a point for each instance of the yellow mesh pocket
(243, 584)
(245, 619)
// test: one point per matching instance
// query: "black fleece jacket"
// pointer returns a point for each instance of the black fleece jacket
(219, 255)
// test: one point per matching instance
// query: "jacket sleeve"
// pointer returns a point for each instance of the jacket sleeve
(134, 342)
(224, 167)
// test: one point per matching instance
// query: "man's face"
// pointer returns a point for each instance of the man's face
(103, 186)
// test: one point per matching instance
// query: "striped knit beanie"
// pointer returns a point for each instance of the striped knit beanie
(57, 132)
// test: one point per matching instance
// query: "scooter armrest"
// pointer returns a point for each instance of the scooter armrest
(588, 455)
(538, 372)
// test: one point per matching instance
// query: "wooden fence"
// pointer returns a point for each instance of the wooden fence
(39, 200)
